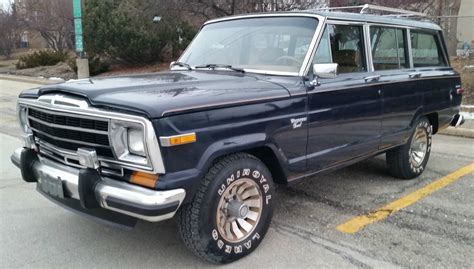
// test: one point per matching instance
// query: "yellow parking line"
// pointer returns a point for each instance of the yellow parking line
(356, 224)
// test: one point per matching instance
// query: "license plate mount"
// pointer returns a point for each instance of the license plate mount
(52, 186)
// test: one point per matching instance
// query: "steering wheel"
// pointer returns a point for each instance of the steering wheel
(288, 60)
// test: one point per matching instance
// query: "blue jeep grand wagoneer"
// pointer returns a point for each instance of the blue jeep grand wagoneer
(254, 101)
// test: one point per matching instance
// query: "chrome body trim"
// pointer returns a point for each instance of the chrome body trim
(71, 155)
(106, 188)
(368, 49)
(151, 142)
(62, 100)
(410, 53)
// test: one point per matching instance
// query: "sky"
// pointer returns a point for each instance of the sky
(4, 3)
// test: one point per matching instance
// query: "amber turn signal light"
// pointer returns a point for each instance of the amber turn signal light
(144, 179)
(169, 141)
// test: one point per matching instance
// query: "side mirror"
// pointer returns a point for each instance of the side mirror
(325, 70)
(172, 64)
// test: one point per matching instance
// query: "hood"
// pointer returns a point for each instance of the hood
(161, 94)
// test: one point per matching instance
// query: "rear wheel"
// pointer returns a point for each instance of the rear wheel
(231, 211)
(409, 161)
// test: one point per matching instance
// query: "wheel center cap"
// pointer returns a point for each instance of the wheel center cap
(237, 209)
(244, 210)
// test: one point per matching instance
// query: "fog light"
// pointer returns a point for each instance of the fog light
(88, 158)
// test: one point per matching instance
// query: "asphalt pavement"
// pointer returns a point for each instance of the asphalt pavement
(436, 231)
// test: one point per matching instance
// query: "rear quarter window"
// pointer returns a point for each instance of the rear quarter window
(426, 49)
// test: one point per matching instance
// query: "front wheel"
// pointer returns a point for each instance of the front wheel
(231, 211)
(409, 161)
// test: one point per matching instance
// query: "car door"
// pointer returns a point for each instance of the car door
(401, 98)
(406, 83)
(344, 113)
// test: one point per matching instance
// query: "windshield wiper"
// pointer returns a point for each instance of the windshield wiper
(225, 66)
(181, 64)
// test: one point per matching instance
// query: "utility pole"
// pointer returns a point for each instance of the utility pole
(82, 62)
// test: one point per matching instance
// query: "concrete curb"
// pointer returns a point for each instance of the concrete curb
(467, 108)
(462, 132)
(26, 79)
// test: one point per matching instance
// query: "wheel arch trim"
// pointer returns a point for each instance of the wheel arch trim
(256, 144)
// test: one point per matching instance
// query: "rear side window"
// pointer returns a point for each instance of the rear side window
(342, 44)
(426, 50)
(388, 48)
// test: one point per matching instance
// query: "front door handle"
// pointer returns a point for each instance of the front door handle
(414, 75)
(372, 78)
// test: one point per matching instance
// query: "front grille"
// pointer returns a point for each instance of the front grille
(69, 121)
(71, 132)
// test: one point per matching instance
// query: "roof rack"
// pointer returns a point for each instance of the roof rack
(397, 12)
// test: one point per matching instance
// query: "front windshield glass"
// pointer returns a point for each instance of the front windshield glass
(266, 44)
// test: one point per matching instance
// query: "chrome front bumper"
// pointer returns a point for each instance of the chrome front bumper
(118, 196)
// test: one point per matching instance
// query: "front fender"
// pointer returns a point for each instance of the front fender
(230, 145)
(190, 179)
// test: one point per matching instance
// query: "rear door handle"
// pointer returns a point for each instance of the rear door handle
(414, 75)
(372, 78)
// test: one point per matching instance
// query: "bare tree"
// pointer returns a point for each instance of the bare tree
(209, 9)
(8, 31)
(52, 19)
(447, 12)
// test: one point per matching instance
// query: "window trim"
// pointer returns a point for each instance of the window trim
(410, 53)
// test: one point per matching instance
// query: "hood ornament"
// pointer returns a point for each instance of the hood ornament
(64, 100)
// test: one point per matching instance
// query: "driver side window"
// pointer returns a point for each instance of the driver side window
(344, 45)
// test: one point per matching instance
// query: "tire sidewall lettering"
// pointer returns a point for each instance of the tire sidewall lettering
(248, 244)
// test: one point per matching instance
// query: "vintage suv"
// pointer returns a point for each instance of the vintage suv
(254, 101)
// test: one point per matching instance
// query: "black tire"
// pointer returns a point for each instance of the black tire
(198, 220)
(400, 160)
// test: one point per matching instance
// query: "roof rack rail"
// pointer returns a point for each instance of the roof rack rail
(397, 12)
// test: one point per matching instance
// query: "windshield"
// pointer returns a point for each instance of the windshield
(262, 44)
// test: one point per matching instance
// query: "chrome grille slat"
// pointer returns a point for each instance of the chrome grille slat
(70, 120)
(70, 131)
(68, 127)
(107, 165)
(70, 140)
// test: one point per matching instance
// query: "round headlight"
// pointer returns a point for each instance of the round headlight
(136, 143)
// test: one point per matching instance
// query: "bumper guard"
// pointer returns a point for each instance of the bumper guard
(114, 195)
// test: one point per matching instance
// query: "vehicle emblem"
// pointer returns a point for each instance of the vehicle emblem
(297, 123)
